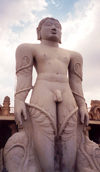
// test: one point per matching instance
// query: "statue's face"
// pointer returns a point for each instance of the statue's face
(51, 30)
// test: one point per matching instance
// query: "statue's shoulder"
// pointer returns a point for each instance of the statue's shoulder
(25, 54)
(72, 54)
(27, 47)
(75, 56)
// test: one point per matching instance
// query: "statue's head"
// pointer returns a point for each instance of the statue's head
(49, 29)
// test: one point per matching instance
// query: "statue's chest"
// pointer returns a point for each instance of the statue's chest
(52, 55)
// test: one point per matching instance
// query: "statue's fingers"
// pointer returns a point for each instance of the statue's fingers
(82, 119)
(20, 125)
(24, 114)
(15, 115)
(87, 120)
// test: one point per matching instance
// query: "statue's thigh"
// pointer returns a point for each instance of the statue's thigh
(44, 146)
(65, 108)
(67, 128)
(43, 132)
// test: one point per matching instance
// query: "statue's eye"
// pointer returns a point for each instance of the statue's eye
(57, 26)
(48, 24)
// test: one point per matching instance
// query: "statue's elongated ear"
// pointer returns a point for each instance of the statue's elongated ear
(38, 34)
(60, 41)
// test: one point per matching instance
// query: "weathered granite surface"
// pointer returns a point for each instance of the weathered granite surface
(52, 126)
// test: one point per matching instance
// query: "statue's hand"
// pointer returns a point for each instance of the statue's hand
(19, 110)
(84, 115)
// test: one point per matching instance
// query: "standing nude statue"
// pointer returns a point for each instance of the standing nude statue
(50, 123)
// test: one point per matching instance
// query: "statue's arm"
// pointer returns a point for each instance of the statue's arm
(75, 81)
(24, 66)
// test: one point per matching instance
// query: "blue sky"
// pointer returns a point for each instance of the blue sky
(57, 8)
(80, 32)
(60, 8)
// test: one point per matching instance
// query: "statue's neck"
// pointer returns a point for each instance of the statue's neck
(49, 43)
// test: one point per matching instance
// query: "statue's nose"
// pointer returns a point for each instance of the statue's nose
(53, 27)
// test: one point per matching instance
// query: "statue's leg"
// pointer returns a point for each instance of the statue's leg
(44, 149)
(43, 132)
(67, 119)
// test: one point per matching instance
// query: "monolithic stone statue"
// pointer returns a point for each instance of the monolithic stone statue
(51, 135)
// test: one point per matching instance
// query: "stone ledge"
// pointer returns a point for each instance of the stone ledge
(94, 122)
(7, 118)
